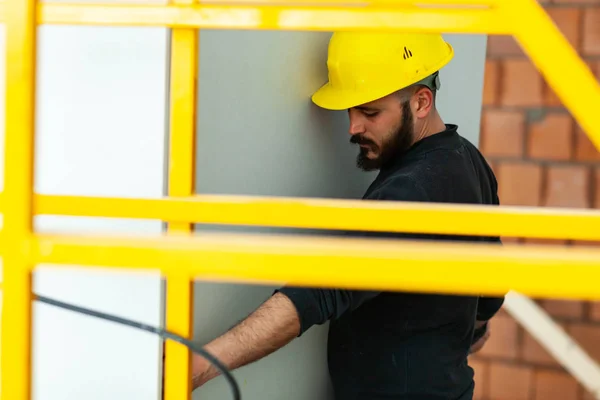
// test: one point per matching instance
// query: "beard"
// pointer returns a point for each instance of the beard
(397, 143)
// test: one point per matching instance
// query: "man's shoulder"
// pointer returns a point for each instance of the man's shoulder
(398, 187)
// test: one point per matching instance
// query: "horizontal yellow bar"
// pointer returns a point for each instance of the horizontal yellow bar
(339, 215)
(362, 3)
(318, 18)
(342, 263)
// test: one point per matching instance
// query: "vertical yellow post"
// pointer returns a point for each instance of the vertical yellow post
(184, 67)
(18, 189)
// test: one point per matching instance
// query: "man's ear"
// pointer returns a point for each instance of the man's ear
(424, 102)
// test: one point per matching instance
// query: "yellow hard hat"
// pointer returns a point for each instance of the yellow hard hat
(366, 66)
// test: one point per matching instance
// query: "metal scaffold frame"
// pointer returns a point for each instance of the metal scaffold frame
(314, 261)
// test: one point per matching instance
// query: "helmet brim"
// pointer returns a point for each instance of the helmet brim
(330, 98)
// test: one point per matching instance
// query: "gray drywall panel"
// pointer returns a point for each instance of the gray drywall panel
(259, 134)
(459, 100)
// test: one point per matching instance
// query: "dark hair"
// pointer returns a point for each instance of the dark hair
(405, 94)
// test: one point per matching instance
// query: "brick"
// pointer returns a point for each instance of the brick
(502, 312)
(568, 20)
(554, 385)
(493, 165)
(519, 183)
(576, 2)
(588, 337)
(491, 83)
(510, 382)
(568, 309)
(503, 341)
(534, 353)
(587, 395)
(522, 84)
(512, 240)
(481, 378)
(595, 311)
(567, 186)
(551, 138)
(594, 65)
(587, 243)
(551, 99)
(591, 31)
(502, 46)
(502, 133)
(584, 148)
(539, 241)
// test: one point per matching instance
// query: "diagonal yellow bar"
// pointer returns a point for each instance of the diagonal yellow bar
(550, 223)
(333, 262)
(18, 193)
(553, 55)
(181, 179)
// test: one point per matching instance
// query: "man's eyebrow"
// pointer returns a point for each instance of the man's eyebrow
(366, 108)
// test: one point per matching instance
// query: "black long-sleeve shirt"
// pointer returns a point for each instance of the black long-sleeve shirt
(396, 345)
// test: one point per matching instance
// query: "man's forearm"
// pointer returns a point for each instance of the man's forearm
(273, 325)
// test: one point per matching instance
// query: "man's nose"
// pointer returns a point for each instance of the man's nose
(356, 126)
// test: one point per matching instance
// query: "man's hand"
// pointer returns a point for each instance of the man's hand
(480, 342)
(273, 325)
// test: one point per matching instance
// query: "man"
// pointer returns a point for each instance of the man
(385, 345)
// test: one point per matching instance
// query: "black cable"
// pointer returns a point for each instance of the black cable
(235, 389)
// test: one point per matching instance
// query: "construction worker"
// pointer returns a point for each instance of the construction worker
(386, 345)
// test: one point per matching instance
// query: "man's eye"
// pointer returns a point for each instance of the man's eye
(371, 113)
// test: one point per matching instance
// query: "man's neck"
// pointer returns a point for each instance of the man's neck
(430, 127)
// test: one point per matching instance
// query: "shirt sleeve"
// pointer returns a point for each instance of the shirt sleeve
(316, 306)
(487, 307)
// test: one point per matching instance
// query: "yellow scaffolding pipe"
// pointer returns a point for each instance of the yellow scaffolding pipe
(544, 272)
(386, 216)
(439, 267)
(21, 29)
(297, 17)
(181, 176)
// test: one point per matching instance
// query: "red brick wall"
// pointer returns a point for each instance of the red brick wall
(541, 158)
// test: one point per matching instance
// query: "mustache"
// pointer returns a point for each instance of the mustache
(360, 139)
